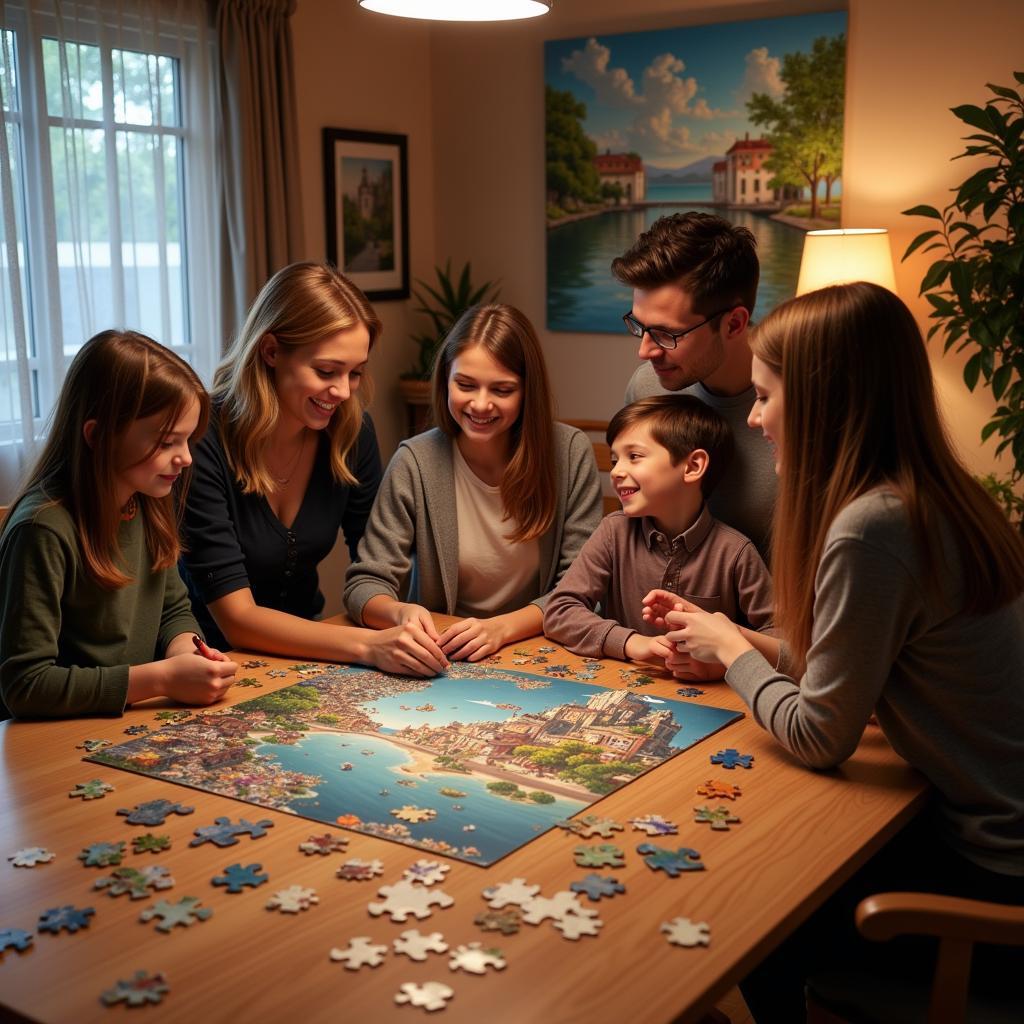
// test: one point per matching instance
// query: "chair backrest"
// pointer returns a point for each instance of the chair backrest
(603, 457)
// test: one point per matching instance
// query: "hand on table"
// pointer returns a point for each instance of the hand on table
(654, 650)
(472, 639)
(407, 649)
(193, 678)
(406, 612)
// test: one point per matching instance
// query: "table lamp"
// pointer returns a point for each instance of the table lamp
(841, 255)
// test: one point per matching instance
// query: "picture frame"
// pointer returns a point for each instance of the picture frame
(366, 193)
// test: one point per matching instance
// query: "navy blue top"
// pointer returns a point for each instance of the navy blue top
(234, 540)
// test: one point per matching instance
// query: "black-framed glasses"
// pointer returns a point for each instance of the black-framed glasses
(662, 338)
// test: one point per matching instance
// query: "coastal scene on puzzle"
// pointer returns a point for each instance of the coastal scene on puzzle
(471, 765)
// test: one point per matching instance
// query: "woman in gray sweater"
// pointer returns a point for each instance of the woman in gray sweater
(480, 516)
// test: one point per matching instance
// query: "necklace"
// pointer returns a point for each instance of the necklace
(295, 462)
(130, 509)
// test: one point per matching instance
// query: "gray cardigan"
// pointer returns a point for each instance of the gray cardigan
(410, 550)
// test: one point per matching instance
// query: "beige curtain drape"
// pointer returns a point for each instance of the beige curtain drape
(261, 211)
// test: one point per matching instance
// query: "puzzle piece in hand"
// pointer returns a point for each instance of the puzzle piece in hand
(185, 913)
(719, 818)
(153, 812)
(224, 832)
(562, 904)
(134, 882)
(102, 855)
(414, 815)
(474, 959)
(68, 917)
(506, 921)
(356, 870)
(405, 898)
(654, 825)
(293, 899)
(590, 825)
(431, 995)
(717, 790)
(236, 878)
(136, 730)
(514, 893)
(15, 938)
(681, 931)
(326, 844)
(30, 857)
(360, 952)
(91, 746)
(415, 945)
(140, 989)
(672, 862)
(150, 843)
(572, 926)
(92, 790)
(604, 855)
(426, 872)
(689, 691)
(732, 758)
(596, 886)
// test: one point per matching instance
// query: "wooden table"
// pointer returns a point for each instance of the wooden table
(802, 834)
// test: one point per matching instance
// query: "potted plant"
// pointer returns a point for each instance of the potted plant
(443, 305)
(976, 286)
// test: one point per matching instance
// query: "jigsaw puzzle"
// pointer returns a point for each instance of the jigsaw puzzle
(236, 878)
(360, 952)
(184, 913)
(30, 857)
(431, 995)
(494, 756)
(415, 945)
(140, 989)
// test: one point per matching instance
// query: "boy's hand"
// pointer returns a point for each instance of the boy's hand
(654, 650)
(658, 603)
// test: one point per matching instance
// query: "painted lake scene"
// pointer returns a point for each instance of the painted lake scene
(470, 765)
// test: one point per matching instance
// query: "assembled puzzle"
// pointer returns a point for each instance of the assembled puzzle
(471, 765)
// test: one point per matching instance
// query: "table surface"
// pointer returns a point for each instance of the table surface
(801, 835)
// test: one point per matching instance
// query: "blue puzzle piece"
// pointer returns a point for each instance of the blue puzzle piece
(68, 917)
(102, 855)
(153, 812)
(672, 862)
(732, 758)
(136, 730)
(689, 691)
(15, 938)
(224, 832)
(596, 886)
(236, 878)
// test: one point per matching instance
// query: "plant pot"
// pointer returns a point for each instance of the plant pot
(416, 395)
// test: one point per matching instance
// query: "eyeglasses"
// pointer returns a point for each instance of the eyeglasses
(662, 338)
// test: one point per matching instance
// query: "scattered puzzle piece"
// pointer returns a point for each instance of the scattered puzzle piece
(595, 886)
(255, 663)
(134, 882)
(415, 945)
(153, 812)
(719, 790)
(246, 681)
(431, 995)
(356, 870)
(184, 913)
(689, 691)
(225, 833)
(507, 921)
(514, 893)
(719, 818)
(604, 855)
(30, 857)
(681, 931)
(91, 746)
(140, 989)
(277, 673)
(173, 716)
(15, 938)
(573, 926)
(102, 855)
(546, 649)
(474, 959)
(94, 789)
(732, 758)
(654, 825)
(562, 904)
(150, 843)
(672, 862)
(293, 899)
(360, 952)
(236, 878)
(326, 844)
(414, 815)
(68, 917)
(136, 730)
(590, 825)
(405, 898)
(426, 872)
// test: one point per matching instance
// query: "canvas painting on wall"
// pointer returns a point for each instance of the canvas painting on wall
(743, 119)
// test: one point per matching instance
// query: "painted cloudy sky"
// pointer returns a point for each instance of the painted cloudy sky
(678, 95)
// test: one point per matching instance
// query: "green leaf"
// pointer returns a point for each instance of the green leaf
(960, 279)
(988, 430)
(972, 115)
(937, 273)
(919, 241)
(1019, 75)
(977, 184)
(971, 371)
(923, 211)
(1000, 379)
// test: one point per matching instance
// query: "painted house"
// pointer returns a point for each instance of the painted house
(743, 180)
(625, 170)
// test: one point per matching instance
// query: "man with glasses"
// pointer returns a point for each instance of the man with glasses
(694, 279)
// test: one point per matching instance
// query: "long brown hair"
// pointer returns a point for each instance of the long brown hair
(859, 412)
(117, 377)
(299, 305)
(528, 485)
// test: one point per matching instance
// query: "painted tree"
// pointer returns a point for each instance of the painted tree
(805, 126)
(568, 152)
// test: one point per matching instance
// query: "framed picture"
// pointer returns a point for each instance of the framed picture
(367, 202)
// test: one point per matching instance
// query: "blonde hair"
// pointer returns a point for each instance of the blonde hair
(299, 305)
(859, 412)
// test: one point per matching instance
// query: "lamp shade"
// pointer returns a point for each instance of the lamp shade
(843, 255)
(459, 10)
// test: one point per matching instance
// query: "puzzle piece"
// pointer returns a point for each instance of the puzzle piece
(604, 855)
(596, 886)
(153, 812)
(546, 649)
(326, 844)
(134, 882)
(68, 917)
(405, 898)
(173, 716)
(654, 825)
(30, 857)
(573, 926)
(719, 818)
(360, 952)
(506, 921)
(15, 938)
(514, 893)
(732, 758)
(225, 833)
(356, 870)
(136, 730)
(426, 872)
(102, 855)
(415, 945)
(140, 989)
(184, 913)
(236, 878)
(293, 899)
(94, 789)
(255, 663)
(277, 673)
(474, 959)
(247, 681)
(681, 931)
(431, 995)
(150, 843)
(717, 790)
(689, 691)
(91, 746)
(414, 815)
(590, 825)
(562, 904)
(672, 862)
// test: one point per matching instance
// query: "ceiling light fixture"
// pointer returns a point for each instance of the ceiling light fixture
(460, 10)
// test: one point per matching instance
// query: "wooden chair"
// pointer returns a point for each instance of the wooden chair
(957, 924)
(603, 456)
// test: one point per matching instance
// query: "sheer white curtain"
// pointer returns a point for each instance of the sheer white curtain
(108, 193)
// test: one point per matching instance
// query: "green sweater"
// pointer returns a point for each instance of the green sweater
(66, 643)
